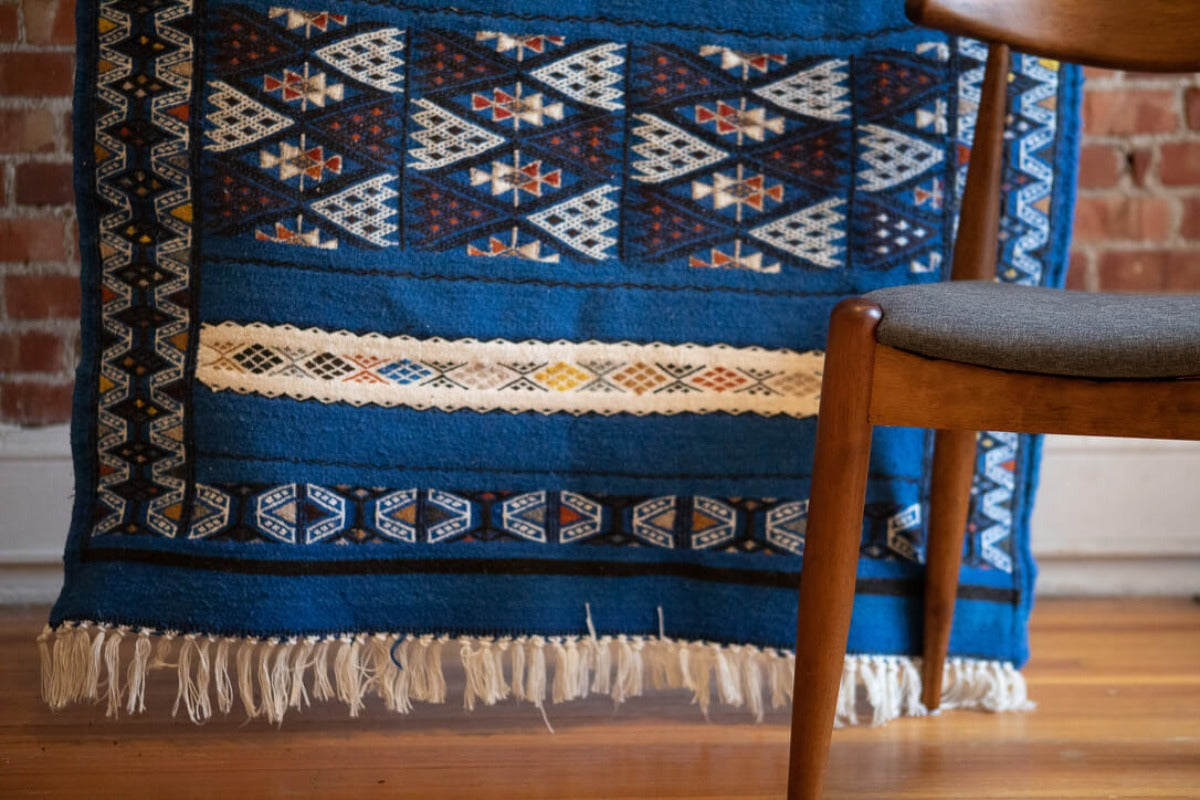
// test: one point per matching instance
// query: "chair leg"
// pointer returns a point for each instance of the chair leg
(950, 495)
(832, 542)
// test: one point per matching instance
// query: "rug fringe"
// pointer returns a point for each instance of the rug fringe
(82, 661)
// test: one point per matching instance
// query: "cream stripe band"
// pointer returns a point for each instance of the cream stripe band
(543, 377)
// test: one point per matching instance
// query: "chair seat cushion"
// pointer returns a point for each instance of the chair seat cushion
(1047, 331)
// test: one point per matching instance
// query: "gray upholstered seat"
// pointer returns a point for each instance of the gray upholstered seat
(1047, 331)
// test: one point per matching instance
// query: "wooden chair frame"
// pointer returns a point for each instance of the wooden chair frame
(867, 384)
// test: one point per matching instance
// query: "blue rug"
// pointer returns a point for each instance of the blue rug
(416, 331)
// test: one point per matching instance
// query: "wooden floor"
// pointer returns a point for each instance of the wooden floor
(1118, 684)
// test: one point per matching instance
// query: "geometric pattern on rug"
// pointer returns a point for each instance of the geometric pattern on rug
(337, 132)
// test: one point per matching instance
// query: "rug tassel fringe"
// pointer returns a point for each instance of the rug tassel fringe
(89, 662)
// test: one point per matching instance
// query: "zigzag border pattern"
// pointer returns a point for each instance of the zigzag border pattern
(146, 251)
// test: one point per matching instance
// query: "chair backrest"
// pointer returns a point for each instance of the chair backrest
(1144, 35)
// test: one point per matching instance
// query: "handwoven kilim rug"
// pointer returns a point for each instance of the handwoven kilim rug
(491, 332)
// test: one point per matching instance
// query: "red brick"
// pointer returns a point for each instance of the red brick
(32, 351)
(41, 296)
(36, 74)
(1189, 226)
(1183, 271)
(1179, 164)
(43, 184)
(1146, 218)
(32, 239)
(8, 24)
(1132, 271)
(1123, 111)
(28, 402)
(49, 21)
(1099, 166)
(1077, 271)
(27, 131)
(1150, 271)
(1139, 163)
(1191, 100)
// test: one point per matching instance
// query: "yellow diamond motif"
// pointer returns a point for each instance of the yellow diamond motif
(562, 377)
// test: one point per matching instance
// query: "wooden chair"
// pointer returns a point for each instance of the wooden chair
(972, 354)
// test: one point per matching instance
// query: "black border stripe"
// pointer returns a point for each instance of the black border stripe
(777, 579)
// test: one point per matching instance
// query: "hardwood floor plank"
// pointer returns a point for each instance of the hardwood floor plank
(1117, 682)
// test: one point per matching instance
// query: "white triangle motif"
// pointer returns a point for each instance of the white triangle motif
(364, 210)
(893, 157)
(819, 91)
(445, 138)
(238, 120)
(810, 234)
(369, 58)
(668, 151)
(581, 222)
(591, 77)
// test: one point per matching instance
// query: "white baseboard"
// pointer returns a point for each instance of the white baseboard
(1123, 576)
(1113, 516)
(29, 583)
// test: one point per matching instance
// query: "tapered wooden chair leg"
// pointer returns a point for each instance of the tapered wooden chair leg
(832, 542)
(949, 501)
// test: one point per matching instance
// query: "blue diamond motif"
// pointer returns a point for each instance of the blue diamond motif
(405, 372)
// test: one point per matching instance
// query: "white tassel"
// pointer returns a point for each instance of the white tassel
(347, 673)
(322, 688)
(401, 670)
(698, 671)
(43, 644)
(91, 687)
(847, 702)
(224, 687)
(602, 665)
(301, 661)
(776, 670)
(558, 689)
(437, 678)
(136, 676)
(186, 686)
(112, 666)
(910, 688)
(420, 683)
(752, 678)
(729, 684)
(518, 668)
(245, 681)
(281, 674)
(475, 685)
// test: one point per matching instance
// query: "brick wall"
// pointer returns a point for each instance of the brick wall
(39, 284)
(1137, 220)
(1137, 225)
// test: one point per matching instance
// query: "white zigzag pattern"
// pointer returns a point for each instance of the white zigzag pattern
(591, 77)
(363, 210)
(369, 58)
(582, 222)
(810, 234)
(446, 138)
(668, 151)
(819, 91)
(238, 119)
(894, 157)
